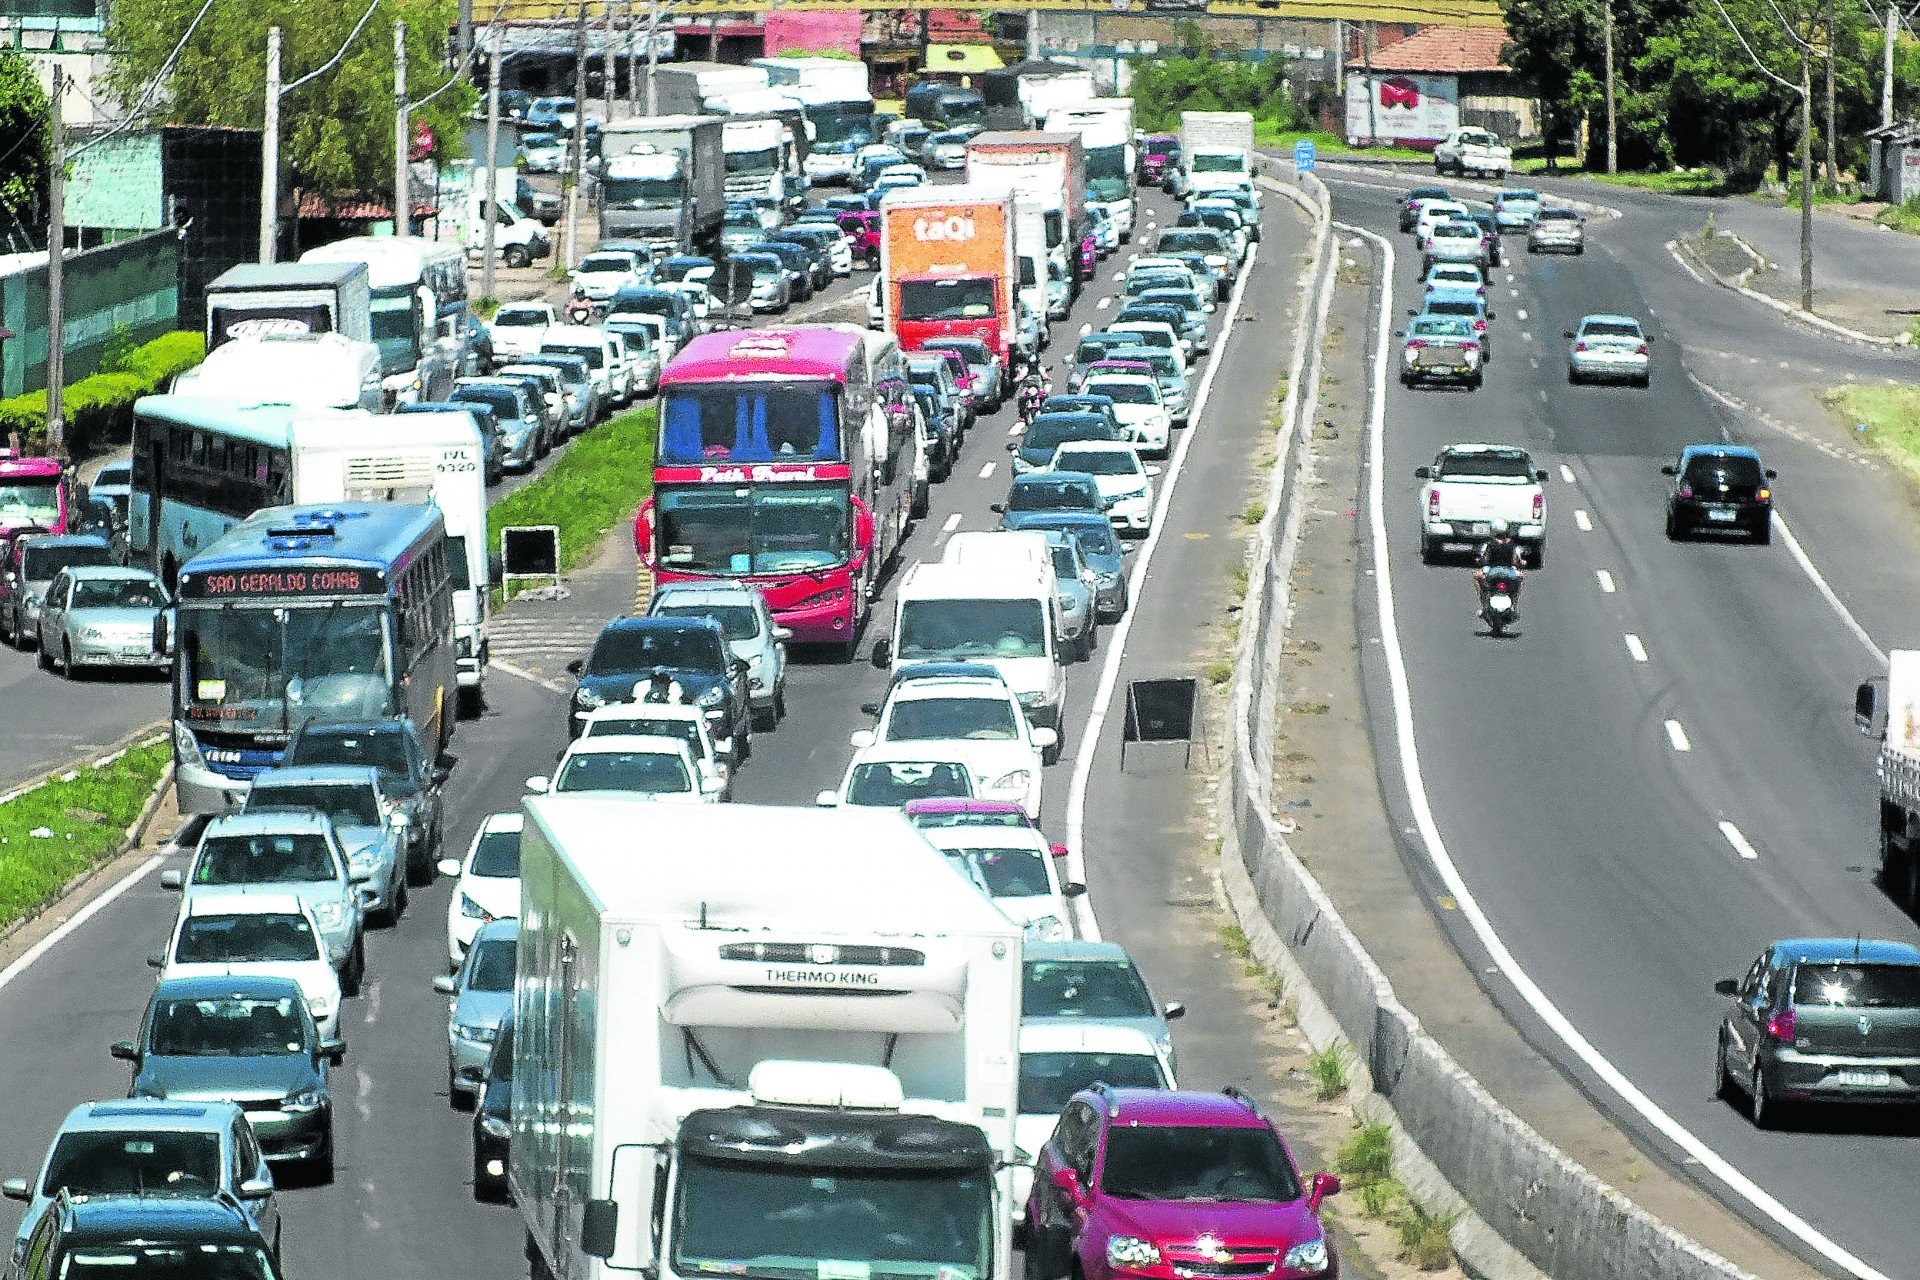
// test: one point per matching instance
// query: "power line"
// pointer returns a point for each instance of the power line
(140, 103)
(465, 62)
(340, 53)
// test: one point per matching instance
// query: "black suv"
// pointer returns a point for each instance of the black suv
(146, 1237)
(1719, 486)
(493, 1119)
(690, 653)
(406, 775)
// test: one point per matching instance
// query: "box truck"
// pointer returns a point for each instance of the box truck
(1216, 150)
(306, 370)
(1105, 126)
(1047, 166)
(290, 298)
(946, 254)
(744, 1033)
(418, 293)
(683, 88)
(663, 180)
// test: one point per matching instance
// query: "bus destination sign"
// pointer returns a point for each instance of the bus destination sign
(225, 584)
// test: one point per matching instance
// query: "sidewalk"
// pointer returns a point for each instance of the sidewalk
(537, 634)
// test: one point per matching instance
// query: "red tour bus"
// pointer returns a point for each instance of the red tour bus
(785, 460)
(33, 497)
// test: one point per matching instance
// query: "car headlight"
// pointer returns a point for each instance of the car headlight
(1015, 782)
(306, 1101)
(1409, 355)
(1107, 580)
(1049, 929)
(186, 746)
(495, 1127)
(1032, 698)
(474, 1031)
(1132, 1252)
(329, 914)
(92, 633)
(1311, 1257)
(472, 910)
(361, 861)
(587, 699)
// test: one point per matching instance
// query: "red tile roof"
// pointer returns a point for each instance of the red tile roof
(1443, 51)
(354, 207)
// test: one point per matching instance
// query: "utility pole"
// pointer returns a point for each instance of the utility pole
(402, 199)
(465, 29)
(633, 69)
(1033, 33)
(493, 154)
(1613, 139)
(1832, 153)
(653, 56)
(1340, 59)
(56, 268)
(1886, 62)
(1806, 178)
(606, 67)
(1373, 89)
(270, 154)
(579, 135)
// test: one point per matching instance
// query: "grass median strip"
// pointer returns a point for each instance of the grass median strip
(52, 832)
(601, 480)
(1886, 418)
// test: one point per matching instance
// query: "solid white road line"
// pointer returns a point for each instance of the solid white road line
(1583, 520)
(1566, 473)
(1634, 647)
(1740, 843)
(1805, 561)
(80, 917)
(1685, 266)
(1605, 580)
(1678, 736)
(986, 472)
(1015, 427)
(1103, 304)
(1537, 1000)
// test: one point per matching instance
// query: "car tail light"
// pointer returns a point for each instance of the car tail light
(1765, 495)
(1579, 346)
(1433, 502)
(1686, 491)
(1417, 344)
(1780, 1026)
(1481, 289)
(1480, 326)
(1469, 346)
(1641, 349)
(1539, 505)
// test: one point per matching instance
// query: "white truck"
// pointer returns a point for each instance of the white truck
(308, 371)
(1029, 243)
(1899, 774)
(800, 1045)
(1472, 151)
(838, 100)
(756, 154)
(1105, 126)
(1469, 486)
(1216, 151)
(518, 240)
(1041, 95)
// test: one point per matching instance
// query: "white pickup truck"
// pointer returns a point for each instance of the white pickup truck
(1469, 486)
(1476, 151)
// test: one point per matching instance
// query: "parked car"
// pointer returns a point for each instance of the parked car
(103, 616)
(481, 998)
(248, 1040)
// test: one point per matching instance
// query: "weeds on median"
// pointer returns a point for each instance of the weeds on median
(601, 480)
(1328, 1068)
(53, 832)
(1425, 1238)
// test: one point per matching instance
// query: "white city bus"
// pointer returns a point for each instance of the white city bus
(419, 299)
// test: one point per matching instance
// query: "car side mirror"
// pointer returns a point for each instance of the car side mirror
(1669, 470)
(1566, 333)
(882, 653)
(256, 1188)
(1044, 737)
(443, 983)
(1174, 1009)
(828, 799)
(334, 1050)
(125, 1050)
(1772, 474)
(1866, 706)
(739, 666)
(1154, 471)
(448, 867)
(1057, 850)
(539, 786)
(156, 960)
(599, 1227)
(782, 634)
(577, 666)
(160, 627)
(15, 1189)
(1423, 473)
(1321, 1186)
(440, 775)
(399, 821)
(1413, 311)
(1727, 987)
(1072, 889)
(870, 708)
(1492, 314)
(1013, 446)
(174, 879)
(998, 508)
(1067, 1183)
(861, 738)
(1541, 476)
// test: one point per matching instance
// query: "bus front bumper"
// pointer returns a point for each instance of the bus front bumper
(202, 790)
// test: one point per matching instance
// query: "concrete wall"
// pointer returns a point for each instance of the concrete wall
(132, 285)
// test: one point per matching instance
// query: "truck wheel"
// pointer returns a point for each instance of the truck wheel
(517, 256)
(1429, 550)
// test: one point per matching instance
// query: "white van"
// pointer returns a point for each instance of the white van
(606, 365)
(1021, 550)
(308, 371)
(961, 613)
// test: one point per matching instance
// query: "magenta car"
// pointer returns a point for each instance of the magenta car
(1167, 1185)
(1138, 368)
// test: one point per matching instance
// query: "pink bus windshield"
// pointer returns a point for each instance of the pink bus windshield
(30, 500)
(749, 421)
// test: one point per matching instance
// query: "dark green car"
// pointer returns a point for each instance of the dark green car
(246, 1040)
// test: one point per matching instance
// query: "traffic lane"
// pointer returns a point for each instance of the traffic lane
(52, 722)
(401, 1196)
(1610, 924)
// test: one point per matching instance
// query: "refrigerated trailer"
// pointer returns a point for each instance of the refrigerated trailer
(751, 1032)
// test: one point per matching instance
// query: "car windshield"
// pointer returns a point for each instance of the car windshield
(1097, 462)
(151, 1260)
(1857, 985)
(520, 318)
(1468, 276)
(1457, 309)
(140, 1161)
(282, 666)
(118, 593)
(506, 403)
(971, 298)
(349, 804)
(1006, 873)
(1557, 215)
(269, 937)
(772, 527)
(648, 772)
(891, 783)
(1456, 231)
(598, 262)
(1516, 468)
(492, 965)
(1084, 989)
(1197, 1162)
(31, 501)
(1065, 566)
(1440, 327)
(228, 1027)
(973, 629)
(626, 650)
(42, 563)
(1048, 431)
(497, 857)
(940, 819)
(1519, 196)
(681, 729)
(1124, 391)
(975, 719)
(384, 749)
(265, 859)
(737, 621)
(1048, 1081)
(1189, 241)
(1052, 493)
(1096, 540)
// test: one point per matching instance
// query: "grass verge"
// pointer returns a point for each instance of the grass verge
(1678, 182)
(600, 480)
(81, 821)
(1901, 217)
(1265, 134)
(1890, 417)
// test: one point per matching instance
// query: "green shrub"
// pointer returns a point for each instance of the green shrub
(101, 405)
(1367, 1156)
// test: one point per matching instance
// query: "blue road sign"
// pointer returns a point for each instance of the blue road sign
(1303, 154)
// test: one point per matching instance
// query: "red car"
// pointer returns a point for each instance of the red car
(863, 228)
(1166, 1185)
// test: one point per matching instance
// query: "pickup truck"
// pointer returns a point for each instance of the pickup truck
(1471, 485)
(1474, 151)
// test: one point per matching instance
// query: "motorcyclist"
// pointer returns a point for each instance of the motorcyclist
(1501, 551)
(661, 687)
(1034, 390)
(579, 309)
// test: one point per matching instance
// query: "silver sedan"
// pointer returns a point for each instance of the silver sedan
(1606, 348)
(103, 616)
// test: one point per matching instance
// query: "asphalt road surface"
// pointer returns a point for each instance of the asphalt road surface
(401, 1200)
(1590, 774)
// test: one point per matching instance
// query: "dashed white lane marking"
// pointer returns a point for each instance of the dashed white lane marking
(1566, 473)
(1119, 277)
(1015, 427)
(1509, 277)
(986, 472)
(1521, 313)
(1526, 335)
(1741, 845)
(1532, 360)
(1514, 293)
(1605, 580)
(1583, 521)
(1634, 647)
(1085, 329)
(1678, 736)
(953, 522)
(1104, 303)
(1542, 393)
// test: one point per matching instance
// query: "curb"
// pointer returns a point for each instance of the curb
(1827, 328)
(1588, 207)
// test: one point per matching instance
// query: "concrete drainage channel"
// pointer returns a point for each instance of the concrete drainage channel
(1522, 1209)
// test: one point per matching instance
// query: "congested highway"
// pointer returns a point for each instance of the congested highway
(401, 1198)
(1655, 774)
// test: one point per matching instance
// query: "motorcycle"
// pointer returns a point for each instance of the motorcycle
(1032, 396)
(1499, 599)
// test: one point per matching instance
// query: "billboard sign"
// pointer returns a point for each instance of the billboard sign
(1406, 109)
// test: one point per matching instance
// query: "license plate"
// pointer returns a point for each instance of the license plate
(1862, 1079)
(1443, 368)
(136, 651)
(1725, 517)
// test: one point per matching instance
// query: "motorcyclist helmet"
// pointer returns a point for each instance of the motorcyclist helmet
(1498, 528)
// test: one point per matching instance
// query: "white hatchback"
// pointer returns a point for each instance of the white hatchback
(1125, 482)
(1018, 869)
(486, 882)
(887, 775)
(646, 768)
(267, 933)
(976, 720)
(1137, 404)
